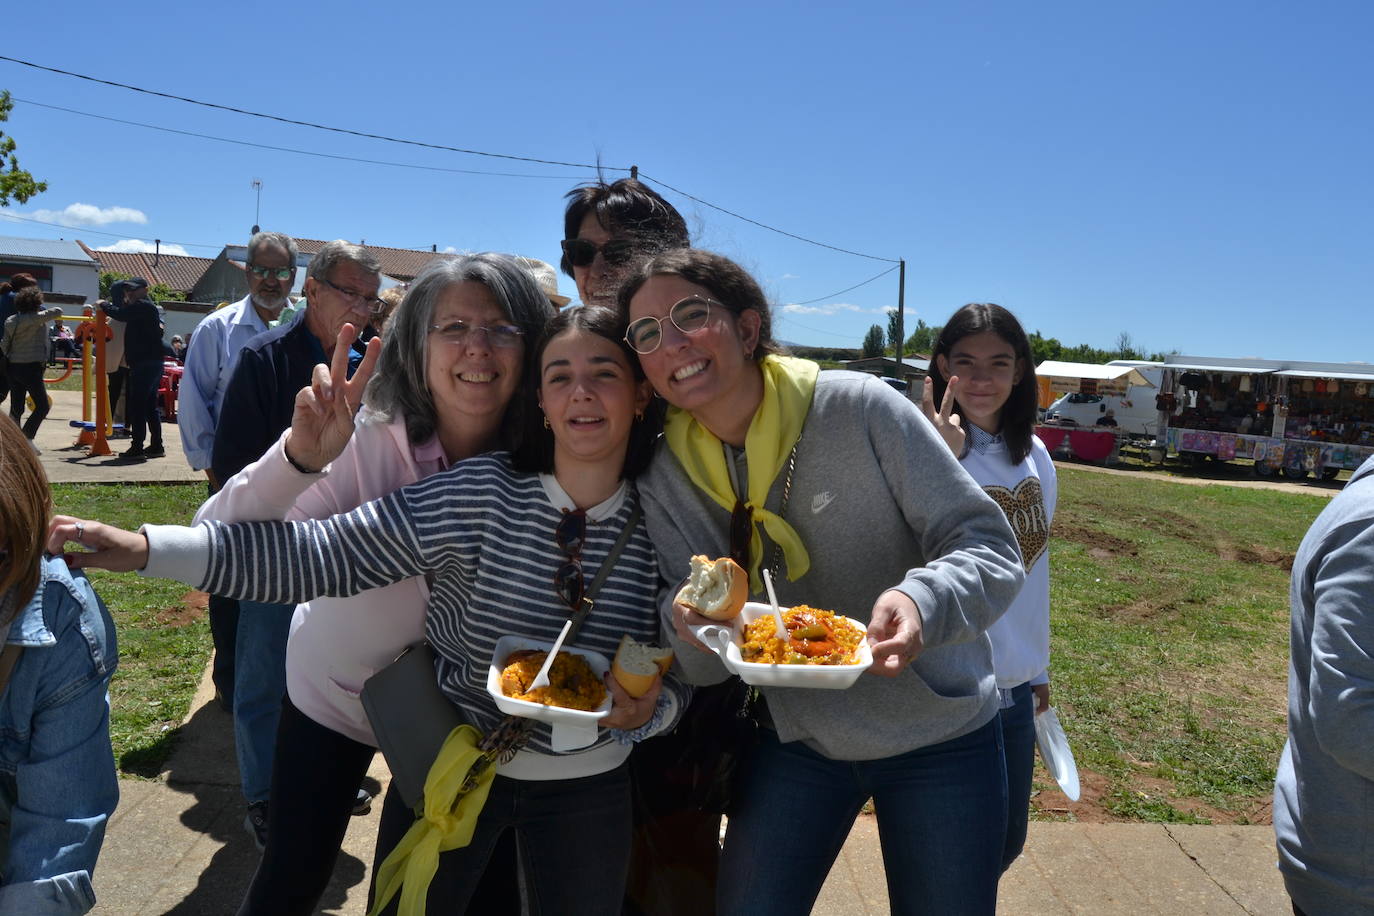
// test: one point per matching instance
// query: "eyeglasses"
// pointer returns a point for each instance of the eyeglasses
(567, 580)
(687, 315)
(581, 252)
(458, 331)
(741, 532)
(371, 304)
(281, 273)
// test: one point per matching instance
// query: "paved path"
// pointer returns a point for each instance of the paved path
(177, 845)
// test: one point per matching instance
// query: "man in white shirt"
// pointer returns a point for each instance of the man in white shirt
(210, 360)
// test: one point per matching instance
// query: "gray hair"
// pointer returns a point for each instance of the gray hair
(400, 386)
(334, 253)
(261, 240)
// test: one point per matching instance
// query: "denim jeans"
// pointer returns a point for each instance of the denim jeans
(572, 837)
(1018, 738)
(141, 411)
(259, 686)
(941, 811)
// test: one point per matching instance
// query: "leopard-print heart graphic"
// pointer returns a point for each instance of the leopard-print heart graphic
(1025, 509)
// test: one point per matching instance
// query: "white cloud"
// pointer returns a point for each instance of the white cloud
(833, 308)
(89, 215)
(449, 249)
(133, 246)
(788, 277)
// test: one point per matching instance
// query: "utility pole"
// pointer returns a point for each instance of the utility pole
(901, 314)
(257, 210)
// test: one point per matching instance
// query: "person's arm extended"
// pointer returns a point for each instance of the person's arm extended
(272, 562)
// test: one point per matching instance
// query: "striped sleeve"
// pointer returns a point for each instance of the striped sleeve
(278, 562)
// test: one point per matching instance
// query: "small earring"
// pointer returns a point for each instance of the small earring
(639, 416)
(546, 422)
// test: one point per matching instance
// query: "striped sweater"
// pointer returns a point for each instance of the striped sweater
(483, 534)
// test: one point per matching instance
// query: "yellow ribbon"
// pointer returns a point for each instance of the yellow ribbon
(448, 822)
(788, 387)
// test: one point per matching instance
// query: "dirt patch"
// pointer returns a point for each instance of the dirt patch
(1260, 556)
(1049, 803)
(194, 606)
(1100, 544)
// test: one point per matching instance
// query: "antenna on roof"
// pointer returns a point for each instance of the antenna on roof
(257, 211)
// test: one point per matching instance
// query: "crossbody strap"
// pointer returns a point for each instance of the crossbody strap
(606, 568)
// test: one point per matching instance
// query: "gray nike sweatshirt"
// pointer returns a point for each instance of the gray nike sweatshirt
(880, 503)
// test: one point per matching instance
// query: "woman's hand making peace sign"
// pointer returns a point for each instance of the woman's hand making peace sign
(322, 422)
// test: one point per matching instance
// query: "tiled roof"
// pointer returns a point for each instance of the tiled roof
(401, 263)
(45, 249)
(178, 272)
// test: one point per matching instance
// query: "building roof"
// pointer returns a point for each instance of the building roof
(401, 263)
(177, 271)
(43, 249)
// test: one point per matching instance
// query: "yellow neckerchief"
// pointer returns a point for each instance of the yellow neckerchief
(788, 386)
(448, 822)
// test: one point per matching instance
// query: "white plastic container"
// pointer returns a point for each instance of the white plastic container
(725, 640)
(572, 729)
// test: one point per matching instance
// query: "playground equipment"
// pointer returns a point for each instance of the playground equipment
(92, 331)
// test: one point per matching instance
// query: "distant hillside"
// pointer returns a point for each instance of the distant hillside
(828, 354)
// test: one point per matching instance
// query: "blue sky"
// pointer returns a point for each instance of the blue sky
(1196, 175)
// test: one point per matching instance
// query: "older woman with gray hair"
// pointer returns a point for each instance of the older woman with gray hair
(448, 372)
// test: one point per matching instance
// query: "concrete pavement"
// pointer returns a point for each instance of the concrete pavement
(176, 845)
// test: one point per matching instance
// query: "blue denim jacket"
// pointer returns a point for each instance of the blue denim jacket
(57, 773)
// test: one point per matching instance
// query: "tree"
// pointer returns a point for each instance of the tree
(873, 342)
(158, 292)
(1125, 347)
(922, 340)
(894, 332)
(15, 183)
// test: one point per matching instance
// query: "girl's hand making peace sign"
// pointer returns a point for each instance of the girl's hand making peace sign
(949, 425)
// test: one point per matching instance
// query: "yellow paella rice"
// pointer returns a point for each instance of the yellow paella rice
(816, 637)
(572, 683)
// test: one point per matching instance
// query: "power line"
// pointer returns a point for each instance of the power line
(5, 214)
(282, 120)
(850, 289)
(418, 143)
(791, 235)
(288, 149)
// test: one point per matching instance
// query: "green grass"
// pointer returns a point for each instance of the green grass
(164, 641)
(1170, 642)
(1169, 632)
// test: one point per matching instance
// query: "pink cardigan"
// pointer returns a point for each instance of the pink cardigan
(337, 643)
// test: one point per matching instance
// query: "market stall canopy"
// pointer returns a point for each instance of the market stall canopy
(1062, 374)
(1344, 374)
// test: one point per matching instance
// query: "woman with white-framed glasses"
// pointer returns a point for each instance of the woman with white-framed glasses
(505, 540)
(840, 487)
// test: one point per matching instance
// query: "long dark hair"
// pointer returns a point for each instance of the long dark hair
(535, 450)
(1020, 411)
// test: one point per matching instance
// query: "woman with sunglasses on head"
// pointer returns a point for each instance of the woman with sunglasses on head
(982, 366)
(837, 481)
(446, 389)
(506, 540)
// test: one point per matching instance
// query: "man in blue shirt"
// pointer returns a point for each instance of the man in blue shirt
(211, 357)
(341, 287)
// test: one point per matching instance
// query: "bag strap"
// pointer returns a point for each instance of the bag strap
(606, 568)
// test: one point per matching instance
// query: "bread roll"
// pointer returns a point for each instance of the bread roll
(636, 664)
(715, 588)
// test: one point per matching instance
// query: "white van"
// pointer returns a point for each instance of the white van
(1135, 414)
